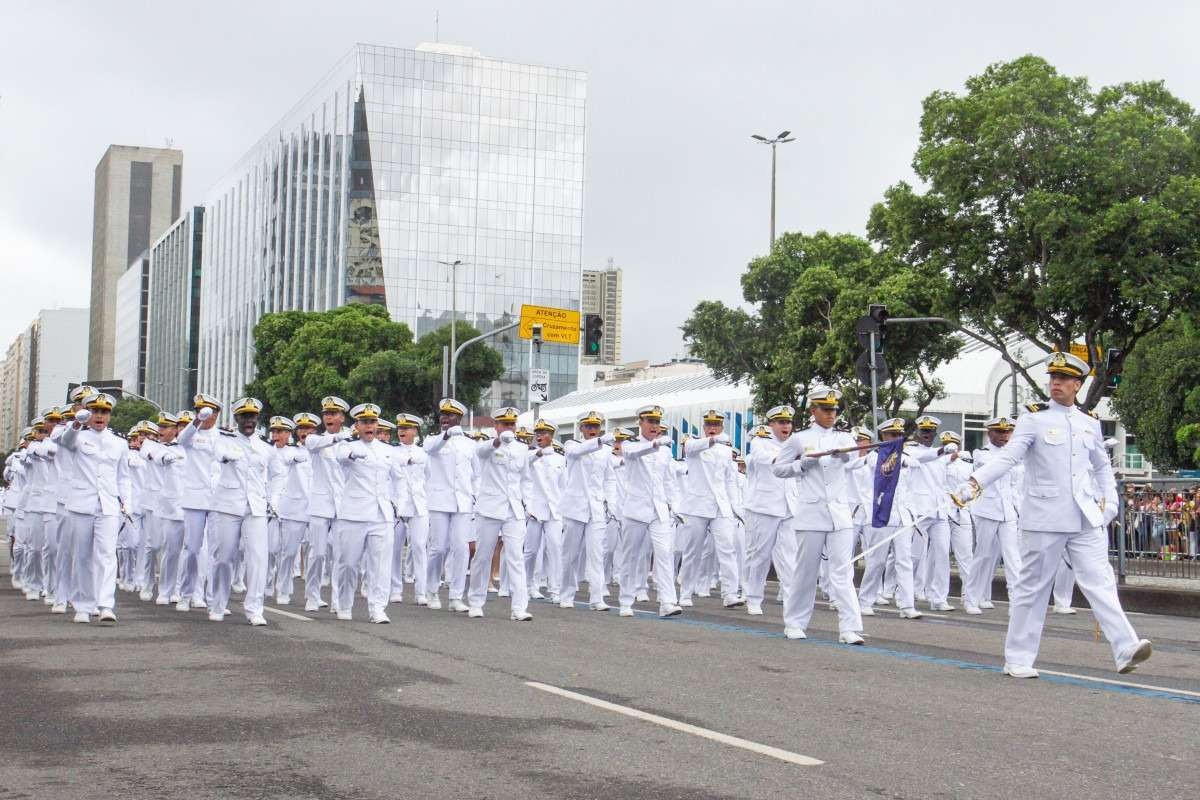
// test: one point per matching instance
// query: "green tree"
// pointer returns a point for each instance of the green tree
(807, 295)
(1159, 391)
(357, 352)
(1062, 214)
(129, 411)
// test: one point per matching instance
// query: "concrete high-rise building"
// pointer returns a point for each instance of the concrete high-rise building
(38, 367)
(133, 316)
(601, 294)
(137, 198)
(398, 160)
(172, 349)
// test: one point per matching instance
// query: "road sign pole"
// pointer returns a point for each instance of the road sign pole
(874, 383)
(534, 364)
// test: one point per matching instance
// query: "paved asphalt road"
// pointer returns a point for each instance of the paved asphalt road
(168, 705)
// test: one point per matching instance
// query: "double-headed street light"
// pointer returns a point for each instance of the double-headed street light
(782, 138)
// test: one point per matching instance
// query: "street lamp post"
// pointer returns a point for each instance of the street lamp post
(782, 138)
(453, 265)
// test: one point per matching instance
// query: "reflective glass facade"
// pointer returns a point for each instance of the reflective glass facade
(398, 160)
(172, 351)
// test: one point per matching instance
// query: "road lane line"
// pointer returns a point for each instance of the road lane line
(288, 614)
(1114, 682)
(704, 733)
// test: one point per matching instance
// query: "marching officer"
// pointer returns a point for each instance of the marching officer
(500, 512)
(199, 440)
(164, 543)
(931, 554)
(366, 517)
(451, 491)
(650, 493)
(238, 521)
(99, 484)
(544, 501)
(821, 518)
(710, 491)
(412, 511)
(1070, 498)
(327, 480)
(290, 503)
(962, 529)
(590, 483)
(768, 536)
(995, 517)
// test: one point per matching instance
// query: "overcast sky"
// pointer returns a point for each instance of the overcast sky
(677, 194)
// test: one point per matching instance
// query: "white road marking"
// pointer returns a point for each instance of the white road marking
(288, 614)
(704, 733)
(1112, 682)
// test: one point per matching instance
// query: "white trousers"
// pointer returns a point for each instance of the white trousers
(933, 573)
(763, 546)
(448, 533)
(415, 531)
(374, 539)
(227, 534)
(1064, 585)
(488, 532)
(170, 536)
(588, 538)
(1041, 554)
(291, 533)
(612, 538)
(994, 540)
(93, 561)
(544, 538)
(695, 576)
(52, 554)
(38, 529)
(872, 584)
(318, 560)
(802, 588)
(661, 536)
(195, 567)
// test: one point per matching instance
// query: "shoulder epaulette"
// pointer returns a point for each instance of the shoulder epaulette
(227, 433)
(912, 443)
(1092, 413)
(1036, 406)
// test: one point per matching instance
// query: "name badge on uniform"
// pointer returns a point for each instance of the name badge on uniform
(1055, 436)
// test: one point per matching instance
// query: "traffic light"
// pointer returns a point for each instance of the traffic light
(593, 332)
(879, 313)
(1113, 362)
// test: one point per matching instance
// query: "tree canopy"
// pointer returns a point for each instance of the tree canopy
(806, 295)
(129, 411)
(1056, 212)
(358, 353)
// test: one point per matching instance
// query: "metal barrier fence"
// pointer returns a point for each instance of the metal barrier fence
(1157, 532)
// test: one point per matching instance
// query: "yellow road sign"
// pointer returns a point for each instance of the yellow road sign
(559, 325)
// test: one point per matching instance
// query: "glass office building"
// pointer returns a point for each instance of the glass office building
(172, 350)
(397, 161)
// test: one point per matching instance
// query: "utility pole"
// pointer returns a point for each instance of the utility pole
(453, 265)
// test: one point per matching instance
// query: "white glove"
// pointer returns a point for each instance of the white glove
(507, 436)
(204, 413)
(608, 439)
(82, 416)
(168, 458)
(546, 451)
(966, 492)
(662, 440)
(722, 438)
(809, 462)
(1108, 512)
(358, 451)
(230, 456)
(51, 449)
(343, 435)
(455, 430)
(949, 448)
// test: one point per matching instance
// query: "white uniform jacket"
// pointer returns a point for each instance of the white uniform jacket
(649, 480)
(367, 490)
(927, 481)
(41, 494)
(590, 493)
(167, 460)
(242, 482)
(450, 477)
(200, 467)
(501, 472)
(410, 465)
(291, 500)
(999, 502)
(326, 489)
(543, 487)
(766, 492)
(100, 480)
(822, 498)
(710, 486)
(1069, 483)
